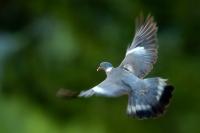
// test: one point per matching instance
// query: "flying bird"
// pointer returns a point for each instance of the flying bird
(147, 97)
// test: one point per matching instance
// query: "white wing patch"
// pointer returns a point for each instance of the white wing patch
(137, 50)
(99, 90)
(129, 67)
(142, 53)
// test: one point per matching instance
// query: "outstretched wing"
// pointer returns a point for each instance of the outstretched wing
(106, 88)
(142, 53)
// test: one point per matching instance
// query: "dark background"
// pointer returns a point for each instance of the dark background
(46, 45)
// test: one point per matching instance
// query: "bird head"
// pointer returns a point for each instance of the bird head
(106, 66)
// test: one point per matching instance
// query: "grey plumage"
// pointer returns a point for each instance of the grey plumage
(144, 48)
(146, 97)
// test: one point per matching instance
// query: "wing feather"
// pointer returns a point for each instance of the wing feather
(142, 53)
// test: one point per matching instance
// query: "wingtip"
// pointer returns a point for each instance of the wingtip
(66, 93)
(149, 20)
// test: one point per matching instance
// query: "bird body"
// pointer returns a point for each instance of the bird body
(147, 97)
(117, 87)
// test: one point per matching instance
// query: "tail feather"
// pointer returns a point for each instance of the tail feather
(151, 100)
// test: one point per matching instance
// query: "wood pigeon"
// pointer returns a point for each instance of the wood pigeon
(147, 97)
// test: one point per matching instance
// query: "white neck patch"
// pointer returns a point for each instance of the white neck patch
(108, 69)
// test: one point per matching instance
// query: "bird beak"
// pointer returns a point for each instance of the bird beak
(99, 68)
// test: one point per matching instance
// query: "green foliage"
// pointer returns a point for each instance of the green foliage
(47, 45)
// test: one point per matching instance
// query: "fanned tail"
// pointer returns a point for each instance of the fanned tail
(150, 101)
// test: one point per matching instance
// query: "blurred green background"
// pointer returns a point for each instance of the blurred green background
(46, 45)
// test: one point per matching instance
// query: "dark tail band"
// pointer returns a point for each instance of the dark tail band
(153, 100)
(158, 108)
